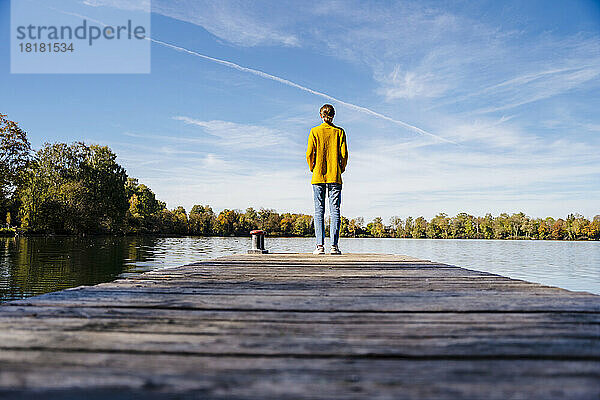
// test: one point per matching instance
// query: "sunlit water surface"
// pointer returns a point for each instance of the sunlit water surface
(36, 265)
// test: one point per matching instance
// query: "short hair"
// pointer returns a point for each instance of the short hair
(327, 112)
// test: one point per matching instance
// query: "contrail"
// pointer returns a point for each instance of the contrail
(297, 86)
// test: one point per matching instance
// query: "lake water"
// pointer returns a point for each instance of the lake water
(32, 266)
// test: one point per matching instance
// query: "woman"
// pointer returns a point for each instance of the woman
(327, 156)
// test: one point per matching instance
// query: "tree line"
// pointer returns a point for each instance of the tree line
(81, 189)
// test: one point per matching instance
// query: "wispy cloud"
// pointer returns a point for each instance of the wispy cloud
(239, 136)
(409, 84)
(414, 49)
(238, 22)
(234, 22)
(487, 133)
(132, 5)
(420, 51)
(538, 86)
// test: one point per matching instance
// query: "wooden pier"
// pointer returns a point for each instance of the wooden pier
(298, 326)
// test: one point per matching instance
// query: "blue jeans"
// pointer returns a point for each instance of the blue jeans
(335, 199)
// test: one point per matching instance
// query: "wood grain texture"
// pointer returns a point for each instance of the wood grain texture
(298, 326)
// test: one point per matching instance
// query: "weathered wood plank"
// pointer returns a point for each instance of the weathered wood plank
(368, 281)
(45, 315)
(393, 329)
(401, 302)
(291, 341)
(309, 272)
(123, 376)
(250, 289)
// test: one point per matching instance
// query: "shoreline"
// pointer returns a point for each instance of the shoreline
(16, 233)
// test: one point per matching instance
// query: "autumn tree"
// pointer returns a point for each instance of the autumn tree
(355, 226)
(439, 227)
(180, 221)
(576, 226)
(396, 227)
(408, 227)
(558, 229)
(419, 228)
(286, 224)
(531, 228)
(593, 230)
(303, 226)
(144, 208)
(344, 227)
(201, 221)
(502, 227)
(376, 228)
(545, 228)
(486, 226)
(268, 220)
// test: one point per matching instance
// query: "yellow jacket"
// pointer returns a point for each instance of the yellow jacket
(327, 153)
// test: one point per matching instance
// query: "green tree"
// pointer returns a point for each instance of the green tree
(269, 220)
(462, 226)
(517, 223)
(252, 218)
(439, 227)
(345, 227)
(559, 231)
(502, 227)
(105, 180)
(545, 228)
(228, 223)
(180, 221)
(202, 221)
(165, 222)
(419, 228)
(531, 228)
(74, 189)
(576, 227)
(408, 227)
(355, 226)
(286, 224)
(376, 228)
(486, 226)
(146, 203)
(144, 208)
(15, 153)
(303, 226)
(593, 229)
(397, 227)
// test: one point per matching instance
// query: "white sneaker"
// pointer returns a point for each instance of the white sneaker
(335, 250)
(319, 250)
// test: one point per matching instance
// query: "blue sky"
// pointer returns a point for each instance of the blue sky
(505, 96)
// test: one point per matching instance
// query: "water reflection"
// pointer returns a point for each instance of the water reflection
(31, 266)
